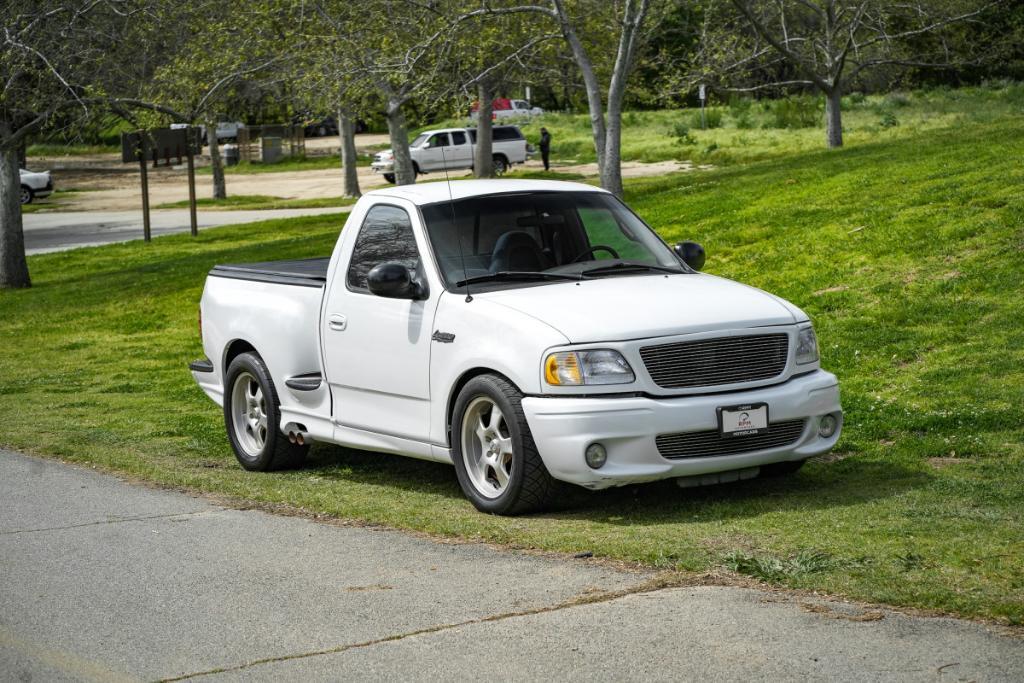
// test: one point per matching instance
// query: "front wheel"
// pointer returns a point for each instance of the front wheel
(496, 460)
(252, 413)
(26, 194)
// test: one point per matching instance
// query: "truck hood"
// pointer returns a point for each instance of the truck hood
(618, 308)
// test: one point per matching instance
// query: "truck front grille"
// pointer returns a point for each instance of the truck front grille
(711, 362)
(710, 443)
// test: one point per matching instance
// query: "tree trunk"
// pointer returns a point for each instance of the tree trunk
(834, 117)
(404, 173)
(611, 169)
(483, 152)
(13, 265)
(216, 162)
(347, 136)
(590, 81)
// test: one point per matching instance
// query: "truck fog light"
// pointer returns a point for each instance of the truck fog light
(596, 456)
(827, 426)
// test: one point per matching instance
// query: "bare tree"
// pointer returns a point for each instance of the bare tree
(573, 18)
(827, 44)
(55, 58)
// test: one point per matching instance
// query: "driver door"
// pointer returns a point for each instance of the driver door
(433, 155)
(377, 350)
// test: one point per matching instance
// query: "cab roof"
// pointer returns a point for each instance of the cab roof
(433, 192)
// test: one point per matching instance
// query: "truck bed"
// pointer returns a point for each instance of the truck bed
(311, 272)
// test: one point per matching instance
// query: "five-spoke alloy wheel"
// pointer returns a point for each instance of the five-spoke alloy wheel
(252, 416)
(496, 460)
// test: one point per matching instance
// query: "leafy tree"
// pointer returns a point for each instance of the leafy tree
(827, 44)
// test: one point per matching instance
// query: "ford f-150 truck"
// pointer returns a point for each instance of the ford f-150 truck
(527, 332)
(452, 149)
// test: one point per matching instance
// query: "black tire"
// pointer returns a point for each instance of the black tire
(276, 452)
(530, 488)
(782, 469)
(390, 177)
(27, 195)
(500, 165)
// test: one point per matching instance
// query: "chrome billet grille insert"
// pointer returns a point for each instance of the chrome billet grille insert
(711, 362)
(710, 443)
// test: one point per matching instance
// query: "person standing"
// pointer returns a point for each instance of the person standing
(545, 147)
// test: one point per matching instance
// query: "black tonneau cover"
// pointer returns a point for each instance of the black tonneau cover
(310, 272)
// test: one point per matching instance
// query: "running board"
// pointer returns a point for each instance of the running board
(203, 365)
(308, 382)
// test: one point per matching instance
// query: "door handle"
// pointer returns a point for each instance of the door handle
(337, 322)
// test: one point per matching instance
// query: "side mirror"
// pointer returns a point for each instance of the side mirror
(394, 281)
(426, 145)
(691, 253)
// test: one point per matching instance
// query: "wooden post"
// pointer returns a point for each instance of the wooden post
(191, 183)
(144, 152)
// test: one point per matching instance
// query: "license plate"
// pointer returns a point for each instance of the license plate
(744, 420)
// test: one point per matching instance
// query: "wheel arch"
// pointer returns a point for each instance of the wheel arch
(233, 349)
(457, 387)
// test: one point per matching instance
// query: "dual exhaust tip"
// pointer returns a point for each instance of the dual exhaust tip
(297, 434)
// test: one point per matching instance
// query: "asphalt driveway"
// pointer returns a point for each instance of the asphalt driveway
(105, 580)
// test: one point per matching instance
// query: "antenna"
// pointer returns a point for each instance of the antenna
(455, 227)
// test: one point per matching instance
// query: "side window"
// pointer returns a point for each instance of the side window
(507, 133)
(472, 135)
(458, 137)
(439, 140)
(386, 235)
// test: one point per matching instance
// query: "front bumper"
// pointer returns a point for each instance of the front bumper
(627, 427)
(383, 166)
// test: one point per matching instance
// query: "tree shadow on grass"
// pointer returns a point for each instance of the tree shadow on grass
(820, 485)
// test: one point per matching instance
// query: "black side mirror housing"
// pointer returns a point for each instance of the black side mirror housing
(395, 281)
(691, 253)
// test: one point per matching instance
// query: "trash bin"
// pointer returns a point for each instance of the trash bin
(272, 150)
(230, 155)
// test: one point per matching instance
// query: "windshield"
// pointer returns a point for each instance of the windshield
(420, 139)
(579, 234)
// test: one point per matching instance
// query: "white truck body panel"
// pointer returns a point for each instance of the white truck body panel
(454, 156)
(390, 381)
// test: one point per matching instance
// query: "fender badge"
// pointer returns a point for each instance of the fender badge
(443, 337)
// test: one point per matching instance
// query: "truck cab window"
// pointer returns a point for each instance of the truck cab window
(458, 138)
(386, 236)
(439, 140)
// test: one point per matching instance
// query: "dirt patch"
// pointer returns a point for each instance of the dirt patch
(940, 463)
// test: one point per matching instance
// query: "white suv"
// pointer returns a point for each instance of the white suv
(452, 149)
(35, 185)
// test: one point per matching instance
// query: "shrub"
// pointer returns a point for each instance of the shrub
(855, 98)
(681, 132)
(896, 100)
(797, 112)
(712, 118)
(888, 120)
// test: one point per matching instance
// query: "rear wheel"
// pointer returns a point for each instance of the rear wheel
(252, 414)
(496, 460)
(390, 177)
(26, 194)
(500, 165)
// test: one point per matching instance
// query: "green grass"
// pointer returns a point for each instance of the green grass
(258, 201)
(288, 164)
(58, 150)
(752, 132)
(906, 251)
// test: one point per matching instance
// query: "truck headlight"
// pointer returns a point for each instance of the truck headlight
(599, 366)
(806, 346)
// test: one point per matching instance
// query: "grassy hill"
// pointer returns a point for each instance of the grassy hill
(907, 251)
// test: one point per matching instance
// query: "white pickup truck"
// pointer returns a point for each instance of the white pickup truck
(528, 332)
(453, 148)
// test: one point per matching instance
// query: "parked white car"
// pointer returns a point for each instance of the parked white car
(35, 185)
(528, 332)
(226, 130)
(453, 149)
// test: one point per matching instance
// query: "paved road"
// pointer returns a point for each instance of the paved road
(46, 232)
(102, 580)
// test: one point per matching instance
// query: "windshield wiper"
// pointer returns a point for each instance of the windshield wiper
(525, 275)
(622, 266)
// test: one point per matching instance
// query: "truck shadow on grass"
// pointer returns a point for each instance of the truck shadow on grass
(819, 485)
